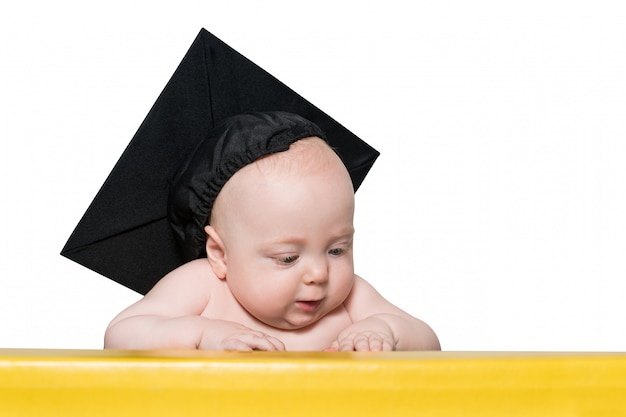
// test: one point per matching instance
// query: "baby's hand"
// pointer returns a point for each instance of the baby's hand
(369, 335)
(226, 335)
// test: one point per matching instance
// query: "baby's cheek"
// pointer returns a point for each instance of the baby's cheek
(344, 286)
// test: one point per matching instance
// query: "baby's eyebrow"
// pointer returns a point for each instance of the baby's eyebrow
(344, 232)
(287, 240)
(341, 233)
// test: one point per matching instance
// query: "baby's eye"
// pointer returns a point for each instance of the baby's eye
(288, 259)
(336, 251)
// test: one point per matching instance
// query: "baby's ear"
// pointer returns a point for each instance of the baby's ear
(215, 252)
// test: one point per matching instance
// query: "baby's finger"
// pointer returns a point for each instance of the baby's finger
(362, 343)
(388, 345)
(264, 342)
(367, 342)
(236, 344)
(278, 345)
(248, 341)
(347, 344)
(375, 343)
(334, 347)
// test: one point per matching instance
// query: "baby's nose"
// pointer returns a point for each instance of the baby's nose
(317, 272)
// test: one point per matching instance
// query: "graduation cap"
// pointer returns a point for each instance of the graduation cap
(126, 234)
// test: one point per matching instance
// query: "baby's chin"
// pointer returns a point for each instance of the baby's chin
(300, 317)
(292, 324)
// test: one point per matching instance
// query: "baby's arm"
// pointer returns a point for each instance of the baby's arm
(169, 317)
(379, 325)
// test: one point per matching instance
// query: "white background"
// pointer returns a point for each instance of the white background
(496, 213)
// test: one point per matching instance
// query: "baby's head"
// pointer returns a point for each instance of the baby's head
(281, 235)
(281, 223)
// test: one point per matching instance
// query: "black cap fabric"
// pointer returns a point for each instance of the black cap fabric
(125, 233)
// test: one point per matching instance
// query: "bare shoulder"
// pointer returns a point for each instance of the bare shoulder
(364, 300)
(190, 276)
(362, 291)
(184, 291)
(190, 282)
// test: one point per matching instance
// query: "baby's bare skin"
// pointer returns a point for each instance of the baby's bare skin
(185, 293)
(279, 272)
(177, 314)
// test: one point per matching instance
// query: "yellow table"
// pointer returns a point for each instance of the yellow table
(181, 383)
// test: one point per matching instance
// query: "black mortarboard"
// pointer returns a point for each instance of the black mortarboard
(125, 233)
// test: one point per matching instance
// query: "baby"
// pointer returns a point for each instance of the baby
(278, 272)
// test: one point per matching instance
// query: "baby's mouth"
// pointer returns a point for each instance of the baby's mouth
(308, 305)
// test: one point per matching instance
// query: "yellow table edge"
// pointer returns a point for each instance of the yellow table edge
(134, 383)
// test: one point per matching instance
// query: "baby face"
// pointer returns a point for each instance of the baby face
(287, 232)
